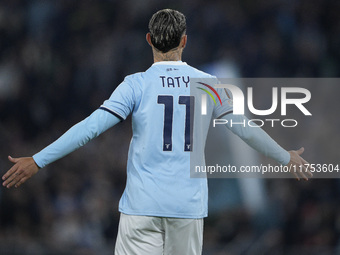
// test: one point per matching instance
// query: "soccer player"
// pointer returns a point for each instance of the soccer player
(162, 208)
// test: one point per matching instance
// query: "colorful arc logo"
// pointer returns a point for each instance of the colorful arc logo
(209, 93)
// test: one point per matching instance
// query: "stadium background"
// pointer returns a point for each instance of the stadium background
(59, 60)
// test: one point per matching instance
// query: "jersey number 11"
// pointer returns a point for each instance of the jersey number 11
(188, 102)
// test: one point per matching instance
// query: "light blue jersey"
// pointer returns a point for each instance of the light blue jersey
(170, 126)
(167, 126)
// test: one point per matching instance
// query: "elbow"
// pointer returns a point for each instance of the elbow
(246, 136)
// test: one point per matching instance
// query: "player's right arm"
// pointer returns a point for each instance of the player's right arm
(259, 140)
(78, 135)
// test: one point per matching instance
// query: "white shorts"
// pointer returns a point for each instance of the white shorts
(146, 235)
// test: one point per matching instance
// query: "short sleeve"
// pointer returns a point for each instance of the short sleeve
(122, 101)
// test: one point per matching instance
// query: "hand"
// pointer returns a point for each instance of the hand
(23, 169)
(298, 165)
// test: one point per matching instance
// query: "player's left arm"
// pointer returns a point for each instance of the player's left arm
(115, 109)
(78, 135)
(259, 140)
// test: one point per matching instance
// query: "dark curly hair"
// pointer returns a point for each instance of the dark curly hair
(166, 29)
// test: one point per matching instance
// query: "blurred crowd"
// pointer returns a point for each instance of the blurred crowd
(59, 60)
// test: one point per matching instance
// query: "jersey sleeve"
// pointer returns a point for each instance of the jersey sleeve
(78, 135)
(225, 104)
(122, 101)
(257, 138)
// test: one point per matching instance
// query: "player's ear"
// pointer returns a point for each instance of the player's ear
(148, 39)
(183, 42)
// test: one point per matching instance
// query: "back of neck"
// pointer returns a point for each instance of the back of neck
(172, 55)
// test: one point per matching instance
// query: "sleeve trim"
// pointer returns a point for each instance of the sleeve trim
(40, 165)
(112, 112)
(224, 114)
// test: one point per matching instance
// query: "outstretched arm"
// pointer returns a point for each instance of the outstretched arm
(78, 135)
(259, 140)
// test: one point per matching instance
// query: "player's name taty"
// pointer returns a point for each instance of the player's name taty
(175, 82)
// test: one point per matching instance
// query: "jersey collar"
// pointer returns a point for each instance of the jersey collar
(170, 63)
